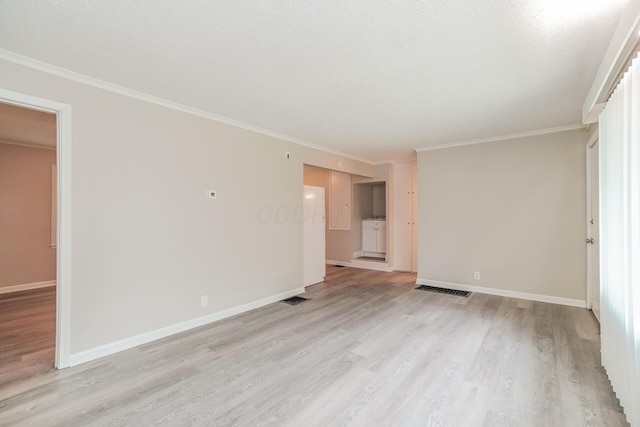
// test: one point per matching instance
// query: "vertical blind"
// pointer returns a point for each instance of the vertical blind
(620, 240)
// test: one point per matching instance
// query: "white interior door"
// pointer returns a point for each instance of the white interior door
(593, 237)
(313, 235)
(402, 235)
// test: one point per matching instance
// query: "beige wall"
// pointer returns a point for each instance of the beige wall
(379, 200)
(25, 215)
(339, 244)
(512, 210)
(146, 240)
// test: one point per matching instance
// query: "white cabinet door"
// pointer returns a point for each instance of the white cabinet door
(368, 238)
(402, 180)
(405, 215)
(340, 201)
(374, 236)
(402, 235)
(381, 240)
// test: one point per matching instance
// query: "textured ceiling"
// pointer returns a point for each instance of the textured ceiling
(26, 126)
(371, 78)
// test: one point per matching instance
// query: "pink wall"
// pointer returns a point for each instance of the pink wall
(25, 215)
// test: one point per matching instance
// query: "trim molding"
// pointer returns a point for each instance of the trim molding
(503, 137)
(63, 280)
(593, 139)
(27, 144)
(371, 265)
(589, 215)
(127, 343)
(342, 263)
(504, 293)
(27, 286)
(412, 158)
(25, 61)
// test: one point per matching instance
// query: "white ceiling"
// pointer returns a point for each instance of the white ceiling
(372, 78)
(25, 126)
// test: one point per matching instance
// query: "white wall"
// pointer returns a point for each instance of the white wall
(513, 210)
(146, 241)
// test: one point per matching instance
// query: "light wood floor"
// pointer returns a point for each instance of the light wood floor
(27, 333)
(367, 349)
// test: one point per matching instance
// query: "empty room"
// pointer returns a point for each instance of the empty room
(403, 213)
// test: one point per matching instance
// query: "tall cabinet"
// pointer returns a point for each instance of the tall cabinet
(405, 216)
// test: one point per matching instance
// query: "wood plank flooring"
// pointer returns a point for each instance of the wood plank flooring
(27, 333)
(367, 349)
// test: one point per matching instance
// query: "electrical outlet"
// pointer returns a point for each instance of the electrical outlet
(476, 275)
(204, 300)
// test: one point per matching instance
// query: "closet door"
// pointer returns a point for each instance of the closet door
(405, 214)
(402, 180)
(340, 201)
(402, 235)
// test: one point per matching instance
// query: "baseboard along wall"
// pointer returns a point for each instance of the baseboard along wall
(504, 293)
(342, 263)
(27, 286)
(127, 343)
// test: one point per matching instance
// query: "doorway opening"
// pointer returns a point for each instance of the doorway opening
(355, 232)
(28, 213)
(57, 229)
(372, 215)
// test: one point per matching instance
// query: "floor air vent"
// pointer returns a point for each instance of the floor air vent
(443, 291)
(294, 300)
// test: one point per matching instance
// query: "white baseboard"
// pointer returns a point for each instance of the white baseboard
(504, 293)
(371, 265)
(375, 254)
(27, 286)
(358, 254)
(127, 343)
(342, 263)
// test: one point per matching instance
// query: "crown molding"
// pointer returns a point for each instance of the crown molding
(407, 159)
(503, 137)
(35, 64)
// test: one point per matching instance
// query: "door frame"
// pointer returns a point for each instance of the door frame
(63, 251)
(305, 236)
(589, 154)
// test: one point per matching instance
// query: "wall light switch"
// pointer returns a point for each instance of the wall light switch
(213, 194)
